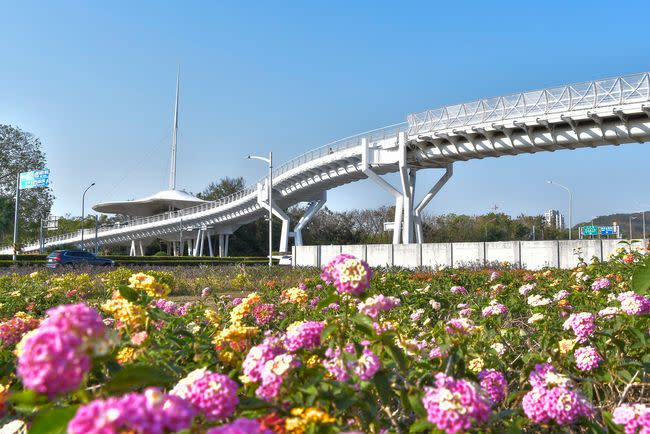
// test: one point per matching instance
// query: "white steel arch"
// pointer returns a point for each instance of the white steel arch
(611, 111)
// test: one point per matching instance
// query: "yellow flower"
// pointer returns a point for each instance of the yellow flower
(130, 314)
(294, 295)
(148, 284)
(313, 361)
(212, 316)
(476, 365)
(566, 345)
(305, 416)
(125, 355)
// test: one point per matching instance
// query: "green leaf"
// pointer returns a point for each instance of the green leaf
(28, 398)
(53, 420)
(380, 380)
(641, 278)
(395, 353)
(363, 324)
(137, 377)
(415, 400)
(420, 425)
(252, 403)
(129, 293)
(331, 298)
(327, 331)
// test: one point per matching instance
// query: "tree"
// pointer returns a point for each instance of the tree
(20, 151)
(222, 188)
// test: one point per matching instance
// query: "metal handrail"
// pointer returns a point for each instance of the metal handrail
(580, 96)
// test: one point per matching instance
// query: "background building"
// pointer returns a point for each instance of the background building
(554, 219)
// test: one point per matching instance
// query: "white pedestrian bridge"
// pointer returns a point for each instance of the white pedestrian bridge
(613, 111)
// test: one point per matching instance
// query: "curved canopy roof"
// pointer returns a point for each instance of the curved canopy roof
(158, 203)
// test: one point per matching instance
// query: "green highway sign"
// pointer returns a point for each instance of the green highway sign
(35, 178)
(590, 230)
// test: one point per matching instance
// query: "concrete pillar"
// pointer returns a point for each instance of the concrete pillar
(141, 248)
(132, 250)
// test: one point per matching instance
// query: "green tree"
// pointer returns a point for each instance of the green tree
(222, 188)
(20, 151)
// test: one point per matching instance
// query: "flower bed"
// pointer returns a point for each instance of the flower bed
(352, 350)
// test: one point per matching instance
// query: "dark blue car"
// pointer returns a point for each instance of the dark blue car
(60, 258)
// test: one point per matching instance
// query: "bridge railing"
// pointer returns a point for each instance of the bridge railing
(580, 96)
(339, 145)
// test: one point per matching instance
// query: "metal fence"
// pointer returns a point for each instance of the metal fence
(581, 96)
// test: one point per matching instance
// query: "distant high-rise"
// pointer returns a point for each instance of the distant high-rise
(554, 219)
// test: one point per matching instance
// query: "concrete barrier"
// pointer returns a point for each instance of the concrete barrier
(436, 255)
(527, 254)
(379, 255)
(507, 251)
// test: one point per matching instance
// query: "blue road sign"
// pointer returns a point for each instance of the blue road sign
(35, 178)
(606, 230)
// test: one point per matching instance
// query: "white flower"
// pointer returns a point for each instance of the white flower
(535, 317)
(538, 300)
(434, 304)
(499, 348)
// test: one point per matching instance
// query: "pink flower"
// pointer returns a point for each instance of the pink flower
(205, 292)
(304, 335)
(494, 384)
(348, 274)
(494, 309)
(494, 275)
(582, 325)
(335, 364)
(11, 331)
(372, 306)
(635, 417)
(634, 304)
(458, 290)
(139, 338)
(51, 361)
(600, 283)
(213, 394)
(367, 365)
(455, 405)
(79, 319)
(264, 313)
(148, 412)
(587, 358)
(240, 426)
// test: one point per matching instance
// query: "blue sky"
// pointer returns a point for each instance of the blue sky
(95, 82)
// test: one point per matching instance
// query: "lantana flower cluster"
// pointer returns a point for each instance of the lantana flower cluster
(151, 412)
(455, 405)
(211, 393)
(348, 274)
(372, 306)
(634, 417)
(12, 330)
(554, 398)
(582, 324)
(55, 357)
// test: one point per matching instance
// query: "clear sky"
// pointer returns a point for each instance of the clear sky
(95, 82)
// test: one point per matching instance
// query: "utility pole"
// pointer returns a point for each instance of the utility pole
(16, 215)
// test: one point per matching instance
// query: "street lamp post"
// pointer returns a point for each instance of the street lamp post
(570, 204)
(631, 218)
(83, 199)
(270, 185)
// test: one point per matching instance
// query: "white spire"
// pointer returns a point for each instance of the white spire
(172, 171)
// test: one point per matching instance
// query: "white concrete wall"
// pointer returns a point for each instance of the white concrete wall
(507, 251)
(528, 254)
(539, 254)
(467, 253)
(379, 255)
(436, 255)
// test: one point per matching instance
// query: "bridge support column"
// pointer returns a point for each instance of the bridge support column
(313, 207)
(399, 197)
(210, 249)
(263, 201)
(132, 250)
(141, 248)
(223, 244)
(417, 214)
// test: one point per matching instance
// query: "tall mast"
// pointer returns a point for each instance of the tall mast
(172, 171)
